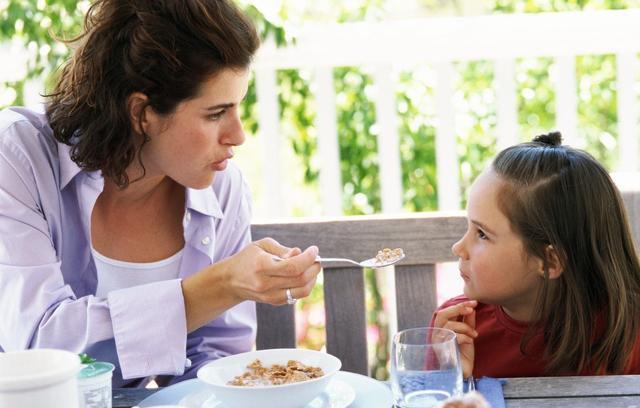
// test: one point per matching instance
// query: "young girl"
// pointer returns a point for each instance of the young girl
(551, 275)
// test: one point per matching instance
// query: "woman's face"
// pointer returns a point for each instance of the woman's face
(492, 260)
(195, 141)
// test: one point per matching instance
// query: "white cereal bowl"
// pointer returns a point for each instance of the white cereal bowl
(295, 395)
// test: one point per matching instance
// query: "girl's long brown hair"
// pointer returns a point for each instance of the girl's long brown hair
(559, 196)
(164, 49)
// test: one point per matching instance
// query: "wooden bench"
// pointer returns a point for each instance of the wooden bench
(426, 239)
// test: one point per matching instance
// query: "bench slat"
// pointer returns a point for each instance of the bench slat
(344, 304)
(276, 328)
(415, 295)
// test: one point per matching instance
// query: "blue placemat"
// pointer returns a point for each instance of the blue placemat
(491, 389)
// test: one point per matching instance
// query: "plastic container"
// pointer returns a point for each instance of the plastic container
(94, 385)
(39, 378)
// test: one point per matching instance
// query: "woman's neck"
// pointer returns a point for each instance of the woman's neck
(138, 192)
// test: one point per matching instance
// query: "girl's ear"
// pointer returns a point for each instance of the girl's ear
(136, 106)
(553, 260)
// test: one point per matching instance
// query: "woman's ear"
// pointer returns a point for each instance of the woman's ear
(136, 107)
(554, 263)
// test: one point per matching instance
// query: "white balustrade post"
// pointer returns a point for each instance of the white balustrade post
(507, 103)
(627, 70)
(446, 155)
(269, 132)
(567, 100)
(328, 146)
(390, 171)
(388, 144)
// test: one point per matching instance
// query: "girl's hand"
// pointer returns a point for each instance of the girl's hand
(461, 319)
(253, 274)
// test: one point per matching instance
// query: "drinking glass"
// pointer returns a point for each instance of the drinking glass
(425, 367)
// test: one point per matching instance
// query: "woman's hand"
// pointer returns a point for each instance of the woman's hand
(461, 319)
(251, 274)
(255, 275)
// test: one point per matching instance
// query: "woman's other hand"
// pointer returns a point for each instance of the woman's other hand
(461, 319)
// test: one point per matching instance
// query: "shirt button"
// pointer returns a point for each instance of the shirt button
(187, 363)
(205, 241)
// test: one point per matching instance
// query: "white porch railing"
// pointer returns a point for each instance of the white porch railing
(440, 42)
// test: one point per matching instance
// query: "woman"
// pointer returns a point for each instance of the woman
(124, 229)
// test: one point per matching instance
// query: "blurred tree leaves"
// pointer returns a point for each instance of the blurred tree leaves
(34, 24)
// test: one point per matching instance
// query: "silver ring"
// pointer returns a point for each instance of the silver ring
(290, 299)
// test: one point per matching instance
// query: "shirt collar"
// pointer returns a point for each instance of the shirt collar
(204, 201)
(68, 168)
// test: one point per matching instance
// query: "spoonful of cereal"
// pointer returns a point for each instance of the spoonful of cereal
(385, 257)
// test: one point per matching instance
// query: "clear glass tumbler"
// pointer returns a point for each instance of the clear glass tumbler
(425, 367)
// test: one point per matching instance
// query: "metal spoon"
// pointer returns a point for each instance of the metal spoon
(368, 263)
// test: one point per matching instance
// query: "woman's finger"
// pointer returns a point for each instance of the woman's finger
(296, 265)
(306, 278)
(272, 246)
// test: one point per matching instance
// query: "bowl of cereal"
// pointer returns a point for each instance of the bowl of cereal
(275, 378)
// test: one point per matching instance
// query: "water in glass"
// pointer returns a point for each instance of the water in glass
(425, 367)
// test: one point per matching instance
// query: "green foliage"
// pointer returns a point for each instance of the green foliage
(86, 359)
(535, 6)
(34, 24)
(476, 140)
(597, 107)
(358, 145)
(298, 118)
(416, 113)
(536, 97)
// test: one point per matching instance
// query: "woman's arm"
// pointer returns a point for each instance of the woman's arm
(46, 277)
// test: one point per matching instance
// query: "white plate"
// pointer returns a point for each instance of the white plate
(338, 394)
(369, 393)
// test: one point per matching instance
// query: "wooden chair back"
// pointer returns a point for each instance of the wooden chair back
(426, 238)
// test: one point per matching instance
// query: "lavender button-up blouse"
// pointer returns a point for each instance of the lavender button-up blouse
(48, 277)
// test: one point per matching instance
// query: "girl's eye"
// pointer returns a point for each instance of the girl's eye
(481, 234)
(216, 115)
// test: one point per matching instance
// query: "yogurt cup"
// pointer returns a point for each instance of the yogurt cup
(39, 378)
(94, 385)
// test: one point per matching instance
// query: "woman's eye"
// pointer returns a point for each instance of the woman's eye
(216, 115)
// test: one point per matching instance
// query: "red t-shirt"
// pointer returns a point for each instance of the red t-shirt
(497, 347)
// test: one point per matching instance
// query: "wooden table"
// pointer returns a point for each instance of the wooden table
(605, 391)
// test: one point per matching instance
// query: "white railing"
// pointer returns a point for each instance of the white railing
(440, 42)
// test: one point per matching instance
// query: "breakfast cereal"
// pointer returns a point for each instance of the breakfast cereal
(258, 375)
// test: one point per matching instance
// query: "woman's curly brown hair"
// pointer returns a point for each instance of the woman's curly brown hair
(164, 49)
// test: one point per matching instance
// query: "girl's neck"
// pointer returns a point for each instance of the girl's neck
(521, 309)
(519, 314)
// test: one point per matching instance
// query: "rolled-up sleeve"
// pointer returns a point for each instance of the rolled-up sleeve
(154, 342)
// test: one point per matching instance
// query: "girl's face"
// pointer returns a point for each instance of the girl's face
(493, 263)
(193, 143)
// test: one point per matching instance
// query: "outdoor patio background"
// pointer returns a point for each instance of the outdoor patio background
(399, 106)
